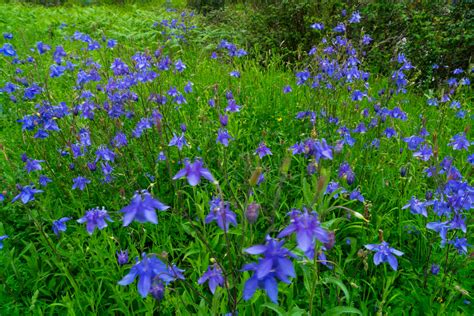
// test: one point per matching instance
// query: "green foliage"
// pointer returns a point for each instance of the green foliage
(78, 273)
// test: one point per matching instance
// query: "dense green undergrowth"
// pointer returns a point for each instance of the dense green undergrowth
(78, 273)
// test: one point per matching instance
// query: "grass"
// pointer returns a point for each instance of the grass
(77, 273)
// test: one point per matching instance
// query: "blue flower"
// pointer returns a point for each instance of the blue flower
(384, 253)
(213, 276)
(460, 244)
(417, 207)
(221, 213)
(95, 218)
(459, 142)
(148, 270)
(317, 26)
(193, 172)
(178, 141)
(7, 50)
(59, 225)
(122, 257)
(142, 209)
(33, 164)
(1, 240)
(80, 183)
(263, 150)
(307, 228)
(44, 180)
(274, 266)
(27, 194)
(223, 137)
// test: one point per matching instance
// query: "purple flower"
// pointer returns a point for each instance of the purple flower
(33, 164)
(120, 140)
(193, 172)
(435, 269)
(223, 137)
(221, 213)
(307, 228)
(424, 153)
(60, 226)
(235, 74)
(27, 194)
(413, 142)
(460, 244)
(263, 150)
(122, 257)
(148, 270)
(179, 65)
(274, 266)
(80, 183)
(232, 106)
(355, 18)
(105, 154)
(44, 180)
(317, 26)
(384, 253)
(459, 142)
(42, 48)
(178, 141)
(417, 207)
(287, 89)
(7, 50)
(356, 195)
(213, 276)
(142, 208)
(95, 218)
(2, 238)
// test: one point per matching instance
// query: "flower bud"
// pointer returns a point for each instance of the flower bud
(251, 213)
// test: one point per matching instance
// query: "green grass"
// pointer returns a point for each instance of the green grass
(78, 273)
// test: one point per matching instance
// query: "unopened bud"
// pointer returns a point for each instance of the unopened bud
(251, 213)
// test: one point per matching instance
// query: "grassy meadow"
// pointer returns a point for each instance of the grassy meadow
(150, 165)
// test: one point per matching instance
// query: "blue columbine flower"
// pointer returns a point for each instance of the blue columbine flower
(418, 207)
(2, 238)
(274, 266)
(27, 194)
(33, 164)
(60, 226)
(142, 208)
(7, 50)
(122, 257)
(178, 141)
(460, 244)
(95, 218)
(384, 253)
(307, 228)
(80, 183)
(221, 213)
(193, 172)
(151, 269)
(263, 150)
(223, 137)
(459, 142)
(213, 276)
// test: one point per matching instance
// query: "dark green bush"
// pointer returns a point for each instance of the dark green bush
(428, 32)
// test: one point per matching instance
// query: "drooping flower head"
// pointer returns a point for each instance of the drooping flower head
(27, 194)
(307, 228)
(142, 208)
(263, 150)
(60, 225)
(149, 270)
(275, 265)
(213, 276)
(122, 257)
(384, 253)
(193, 172)
(221, 213)
(95, 218)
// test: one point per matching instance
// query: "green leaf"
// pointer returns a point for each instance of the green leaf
(340, 310)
